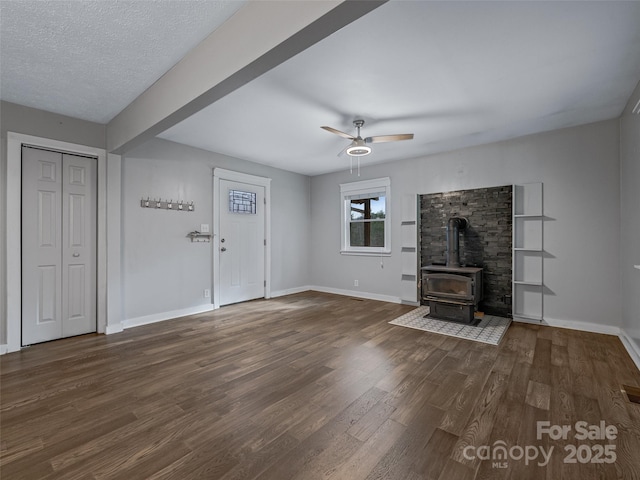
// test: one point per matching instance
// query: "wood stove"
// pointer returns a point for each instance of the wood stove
(452, 291)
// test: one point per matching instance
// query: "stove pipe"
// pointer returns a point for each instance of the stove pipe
(453, 240)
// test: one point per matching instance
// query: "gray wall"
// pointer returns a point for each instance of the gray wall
(630, 218)
(30, 121)
(580, 170)
(163, 271)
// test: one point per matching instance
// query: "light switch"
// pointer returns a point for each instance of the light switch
(204, 228)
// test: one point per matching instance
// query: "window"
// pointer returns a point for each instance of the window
(242, 202)
(366, 229)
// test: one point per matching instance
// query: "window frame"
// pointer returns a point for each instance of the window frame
(365, 187)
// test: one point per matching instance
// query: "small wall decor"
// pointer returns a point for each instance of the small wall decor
(167, 205)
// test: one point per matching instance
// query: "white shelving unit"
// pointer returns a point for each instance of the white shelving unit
(409, 248)
(528, 253)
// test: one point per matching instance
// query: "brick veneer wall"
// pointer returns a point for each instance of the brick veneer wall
(486, 242)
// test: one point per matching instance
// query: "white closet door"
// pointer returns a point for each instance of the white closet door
(58, 245)
(78, 245)
(41, 245)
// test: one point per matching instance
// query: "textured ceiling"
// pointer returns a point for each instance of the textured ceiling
(453, 73)
(90, 59)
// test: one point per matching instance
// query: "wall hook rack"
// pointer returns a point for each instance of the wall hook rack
(180, 206)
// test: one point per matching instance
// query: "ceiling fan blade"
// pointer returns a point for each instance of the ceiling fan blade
(338, 132)
(389, 138)
(343, 152)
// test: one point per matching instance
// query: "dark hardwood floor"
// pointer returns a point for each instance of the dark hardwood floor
(313, 386)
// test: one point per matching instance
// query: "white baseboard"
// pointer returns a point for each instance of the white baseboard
(582, 326)
(115, 328)
(353, 293)
(527, 320)
(348, 293)
(159, 317)
(290, 291)
(6, 348)
(632, 347)
(409, 302)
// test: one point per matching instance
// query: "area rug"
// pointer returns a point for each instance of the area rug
(490, 330)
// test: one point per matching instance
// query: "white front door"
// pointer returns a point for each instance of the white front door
(241, 242)
(59, 204)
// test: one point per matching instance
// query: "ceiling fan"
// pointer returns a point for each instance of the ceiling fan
(359, 147)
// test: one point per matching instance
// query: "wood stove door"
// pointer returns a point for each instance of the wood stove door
(448, 285)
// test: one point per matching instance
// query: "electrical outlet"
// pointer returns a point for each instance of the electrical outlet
(355, 283)
(207, 293)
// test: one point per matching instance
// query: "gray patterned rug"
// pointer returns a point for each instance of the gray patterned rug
(490, 329)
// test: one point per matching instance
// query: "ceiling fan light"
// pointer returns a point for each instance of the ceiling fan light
(358, 148)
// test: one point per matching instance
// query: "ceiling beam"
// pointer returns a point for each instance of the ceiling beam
(257, 38)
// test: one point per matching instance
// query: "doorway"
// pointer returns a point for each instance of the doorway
(241, 243)
(59, 247)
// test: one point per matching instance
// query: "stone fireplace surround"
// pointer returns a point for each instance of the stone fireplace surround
(485, 243)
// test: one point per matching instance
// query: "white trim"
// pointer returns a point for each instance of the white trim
(531, 321)
(223, 174)
(13, 242)
(632, 348)
(290, 291)
(352, 293)
(365, 187)
(381, 253)
(348, 293)
(114, 328)
(160, 317)
(114, 243)
(582, 326)
(409, 302)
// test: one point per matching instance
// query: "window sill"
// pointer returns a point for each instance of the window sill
(366, 254)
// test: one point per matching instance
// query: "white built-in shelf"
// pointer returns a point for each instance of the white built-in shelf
(409, 248)
(409, 208)
(527, 200)
(528, 252)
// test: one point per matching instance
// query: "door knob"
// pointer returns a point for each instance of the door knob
(76, 254)
(223, 249)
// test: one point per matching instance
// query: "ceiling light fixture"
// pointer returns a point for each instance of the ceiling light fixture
(358, 148)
